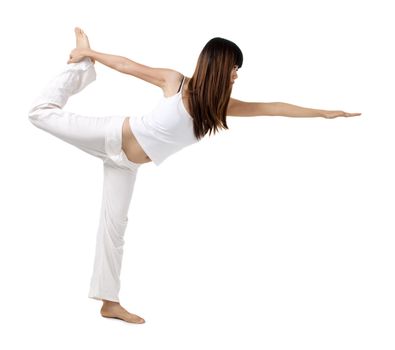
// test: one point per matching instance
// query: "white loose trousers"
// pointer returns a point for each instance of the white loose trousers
(102, 138)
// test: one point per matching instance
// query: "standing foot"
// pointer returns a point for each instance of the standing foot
(113, 309)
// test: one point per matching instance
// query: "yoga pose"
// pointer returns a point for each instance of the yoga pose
(189, 109)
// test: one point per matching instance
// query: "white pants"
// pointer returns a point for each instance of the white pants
(101, 137)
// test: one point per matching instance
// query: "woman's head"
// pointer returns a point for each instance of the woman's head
(220, 55)
(211, 84)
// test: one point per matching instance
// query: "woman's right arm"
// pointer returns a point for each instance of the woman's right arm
(250, 109)
(156, 76)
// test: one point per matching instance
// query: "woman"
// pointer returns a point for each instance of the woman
(190, 108)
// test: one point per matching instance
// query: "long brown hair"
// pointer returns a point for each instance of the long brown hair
(210, 86)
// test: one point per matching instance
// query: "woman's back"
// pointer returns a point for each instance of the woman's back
(166, 129)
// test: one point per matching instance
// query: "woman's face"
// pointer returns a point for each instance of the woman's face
(233, 75)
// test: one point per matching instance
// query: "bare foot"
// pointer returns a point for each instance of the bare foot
(115, 310)
(81, 42)
(81, 39)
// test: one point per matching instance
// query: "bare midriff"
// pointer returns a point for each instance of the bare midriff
(131, 147)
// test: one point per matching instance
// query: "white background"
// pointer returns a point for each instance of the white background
(275, 234)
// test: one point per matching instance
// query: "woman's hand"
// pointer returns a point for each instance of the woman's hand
(335, 114)
(78, 54)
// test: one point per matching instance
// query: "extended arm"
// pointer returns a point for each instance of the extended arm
(251, 109)
(156, 76)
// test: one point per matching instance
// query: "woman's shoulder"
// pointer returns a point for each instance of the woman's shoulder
(173, 80)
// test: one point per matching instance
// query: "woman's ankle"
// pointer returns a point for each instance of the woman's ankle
(110, 302)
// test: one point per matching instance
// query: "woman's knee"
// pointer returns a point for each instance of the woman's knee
(37, 113)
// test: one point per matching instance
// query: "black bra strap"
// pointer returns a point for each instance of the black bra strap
(182, 83)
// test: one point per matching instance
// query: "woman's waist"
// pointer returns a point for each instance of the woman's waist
(130, 144)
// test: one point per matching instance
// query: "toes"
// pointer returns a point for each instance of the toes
(136, 319)
(78, 31)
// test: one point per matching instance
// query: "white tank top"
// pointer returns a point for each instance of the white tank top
(165, 130)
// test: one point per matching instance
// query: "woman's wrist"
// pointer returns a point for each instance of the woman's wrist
(87, 52)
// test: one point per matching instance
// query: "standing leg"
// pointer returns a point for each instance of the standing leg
(118, 184)
(119, 177)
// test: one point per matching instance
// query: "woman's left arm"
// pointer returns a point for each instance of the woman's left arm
(251, 109)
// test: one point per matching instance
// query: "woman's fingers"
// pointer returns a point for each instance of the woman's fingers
(335, 114)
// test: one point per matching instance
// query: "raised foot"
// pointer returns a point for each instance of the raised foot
(81, 42)
(115, 310)
(81, 39)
